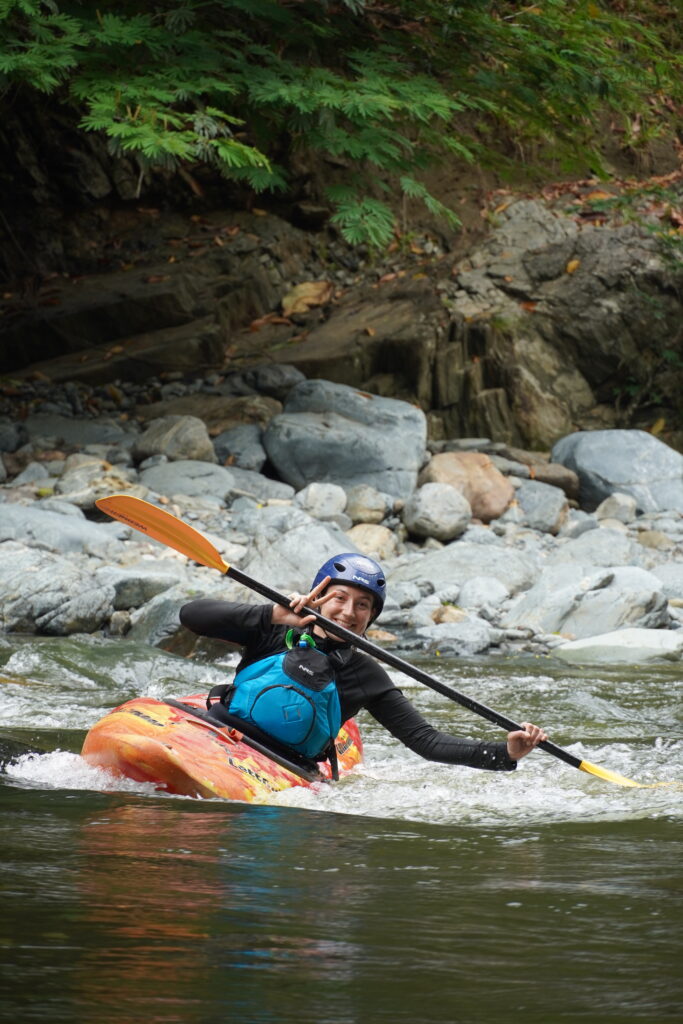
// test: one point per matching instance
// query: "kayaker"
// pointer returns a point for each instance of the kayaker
(350, 590)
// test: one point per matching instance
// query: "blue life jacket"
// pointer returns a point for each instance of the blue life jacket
(292, 696)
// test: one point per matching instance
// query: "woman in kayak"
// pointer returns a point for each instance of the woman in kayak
(350, 589)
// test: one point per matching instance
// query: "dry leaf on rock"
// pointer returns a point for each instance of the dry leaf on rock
(304, 296)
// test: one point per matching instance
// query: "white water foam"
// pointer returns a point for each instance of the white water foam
(61, 769)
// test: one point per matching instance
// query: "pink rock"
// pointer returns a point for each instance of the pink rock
(474, 475)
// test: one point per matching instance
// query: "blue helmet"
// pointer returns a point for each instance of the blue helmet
(358, 571)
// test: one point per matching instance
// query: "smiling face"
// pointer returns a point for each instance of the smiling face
(348, 606)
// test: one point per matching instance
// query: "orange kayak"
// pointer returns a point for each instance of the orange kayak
(177, 747)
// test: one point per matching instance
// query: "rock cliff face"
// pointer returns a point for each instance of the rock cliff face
(552, 324)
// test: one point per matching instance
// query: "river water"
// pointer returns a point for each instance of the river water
(409, 892)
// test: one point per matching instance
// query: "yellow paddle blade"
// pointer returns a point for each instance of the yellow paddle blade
(619, 780)
(162, 526)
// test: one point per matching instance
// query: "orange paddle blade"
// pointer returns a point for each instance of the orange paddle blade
(164, 527)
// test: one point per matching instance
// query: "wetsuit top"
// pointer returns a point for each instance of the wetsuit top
(361, 682)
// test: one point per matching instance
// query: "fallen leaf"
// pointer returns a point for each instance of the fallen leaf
(572, 266)
(528, 306)
(387, 277)
(658, 426)
(156, 278)
(259, 213)
(370, 331)
(597, 195)
(269, 318)
(304, 296)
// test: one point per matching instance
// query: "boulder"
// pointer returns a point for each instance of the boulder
(473, 474)
(483, 594)
(79, 432)
(460, 561)
(322, 501)
(176, 437)
(629, 461)
(136, 584)
(670, 576)
(188, 476)
(332, 433)
(624, 647)
(45, 593)
(437, 510)
(217, 412)
(544, 508)
(569, 600)
(374, 540)
(92, 478)
(288, 546)
(365, 504)
(601, 547)
(241, 446)
(37, 527)
(273, 379)
(622, 507)
(466, 638)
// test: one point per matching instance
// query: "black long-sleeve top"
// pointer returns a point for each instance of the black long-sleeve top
(361, 682)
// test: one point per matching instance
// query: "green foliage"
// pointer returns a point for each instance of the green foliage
(385, 88)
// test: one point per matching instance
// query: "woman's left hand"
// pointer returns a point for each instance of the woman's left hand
(522, 741)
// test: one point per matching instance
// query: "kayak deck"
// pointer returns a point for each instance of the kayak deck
(167, 744)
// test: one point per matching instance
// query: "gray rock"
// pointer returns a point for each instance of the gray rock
(38, 527)
(176, 437)
(569, 600)
(459, 561)
(601, 547)
(629, 461)
(93, 479)
(78, 431)
(578, 522)
(137, 584)
(332, 433)
(44, 593)
(288, 546)
(188, 476)
(12, 435)
(259, 487)
(633, 646)
(157, 622)
(274, 379)
(241, 444)
(466, 638)
(670, 576)
(544, 507)
(322, 501)
(622, 507)
(483, 593)
(34, 473)
(437, 510)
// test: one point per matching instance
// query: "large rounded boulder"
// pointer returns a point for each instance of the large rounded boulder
(332, 433)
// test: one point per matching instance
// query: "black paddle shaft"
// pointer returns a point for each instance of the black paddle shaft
(403, 666)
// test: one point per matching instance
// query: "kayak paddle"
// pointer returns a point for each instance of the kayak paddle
(168, 529)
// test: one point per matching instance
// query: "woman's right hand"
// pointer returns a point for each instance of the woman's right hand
(294, 614)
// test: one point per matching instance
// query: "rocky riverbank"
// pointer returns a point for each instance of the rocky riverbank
(488, 548)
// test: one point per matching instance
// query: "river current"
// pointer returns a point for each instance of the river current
(407, 892)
